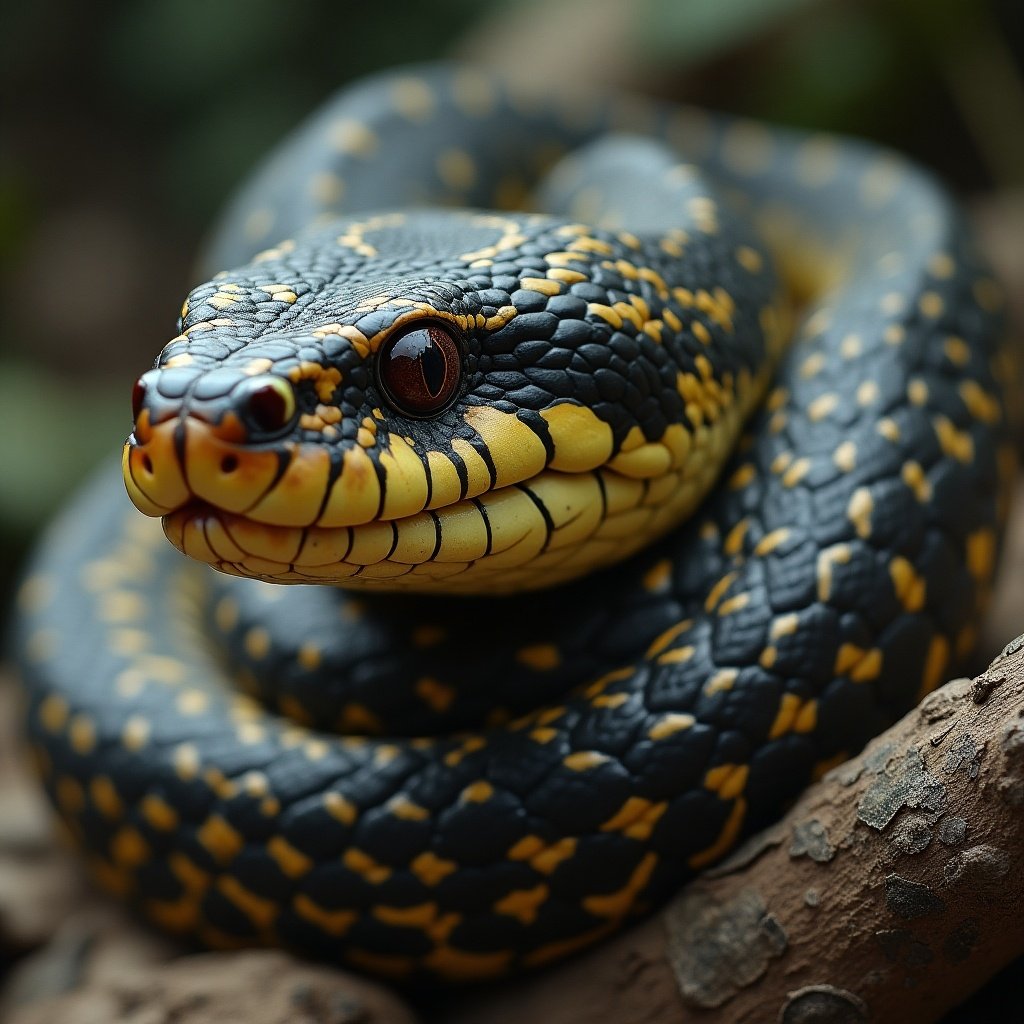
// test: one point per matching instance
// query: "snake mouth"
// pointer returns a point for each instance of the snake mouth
(491, 543)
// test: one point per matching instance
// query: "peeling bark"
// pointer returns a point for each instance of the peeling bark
(892, 890)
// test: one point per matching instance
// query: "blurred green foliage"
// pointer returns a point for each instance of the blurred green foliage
(154, 109)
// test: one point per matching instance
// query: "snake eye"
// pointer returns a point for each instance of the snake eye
(267, 403)
(419, 370)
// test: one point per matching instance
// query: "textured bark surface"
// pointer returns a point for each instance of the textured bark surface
(891, 891)
(257, 987)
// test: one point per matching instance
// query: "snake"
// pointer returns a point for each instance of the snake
(635, 465)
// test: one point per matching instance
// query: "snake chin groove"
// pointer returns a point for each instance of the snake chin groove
(530, 535)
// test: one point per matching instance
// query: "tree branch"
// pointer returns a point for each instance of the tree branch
(891, 891)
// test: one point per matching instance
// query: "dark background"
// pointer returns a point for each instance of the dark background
(126, 124)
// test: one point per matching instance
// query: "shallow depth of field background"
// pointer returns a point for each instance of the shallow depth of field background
(124, 125)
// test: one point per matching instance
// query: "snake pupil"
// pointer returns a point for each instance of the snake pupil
(419, 370)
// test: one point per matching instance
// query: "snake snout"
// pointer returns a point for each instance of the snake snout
(206, 436)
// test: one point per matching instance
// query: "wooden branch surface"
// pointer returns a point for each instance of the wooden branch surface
(892, 890)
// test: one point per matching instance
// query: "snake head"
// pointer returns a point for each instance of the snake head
(432, 401)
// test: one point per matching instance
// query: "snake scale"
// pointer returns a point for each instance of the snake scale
(481, 353)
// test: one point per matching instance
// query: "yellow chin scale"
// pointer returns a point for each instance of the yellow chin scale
(550, 527)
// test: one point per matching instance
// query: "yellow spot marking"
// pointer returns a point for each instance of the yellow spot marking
(845, 457)
(838, 554)
(192, 702)
(606, 313)
(128, 848)
(889, 429)
(796, 472)
(435, 693)
(334, 922)
(721, 682)
(566, 276)
(715, 595)
(523, 904)
(749, 259)
(850, 347)
(669, 724)
(159, 813)
(340, 808)
(914, 477)
(770, 541)
(256, 643)
(733, 543)
(636, 818)
(677, 655)
(70, 794)
(309, 657)
(221, 839)
(784, 718)
(413, 99)
(743, 477)
(541, 856)
(225, 614)
(892, 303)
(931, 304)
(725, 840)
(727, 780)
(365, 866)
(53, 713)
(82, 734)
(260, 910)
(402, 807)
(957, 444)
(616, 905)
(909, 587)
(784, 625)
(348, 136)
(733, 604)
(981, 554)
(658, 578)
(980, 404)
(867, 392)
(477, 792)
(541, 284)
(917, 391)
(105, 797)
(767, 657)
(857, 664)
(935, 664)
(822, 406)
(431, 869)
(464, 966)
(812, 365)
(291, 861)
(859, 511)
(584, 760)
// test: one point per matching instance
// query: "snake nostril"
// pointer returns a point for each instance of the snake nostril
(229, 464)
(147, 463)
(268, 403)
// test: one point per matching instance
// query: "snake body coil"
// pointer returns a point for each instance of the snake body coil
(440, 403)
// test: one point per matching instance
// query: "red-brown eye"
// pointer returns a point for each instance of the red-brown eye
(419, 370)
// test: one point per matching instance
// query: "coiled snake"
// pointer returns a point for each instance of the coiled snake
(438, 400)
